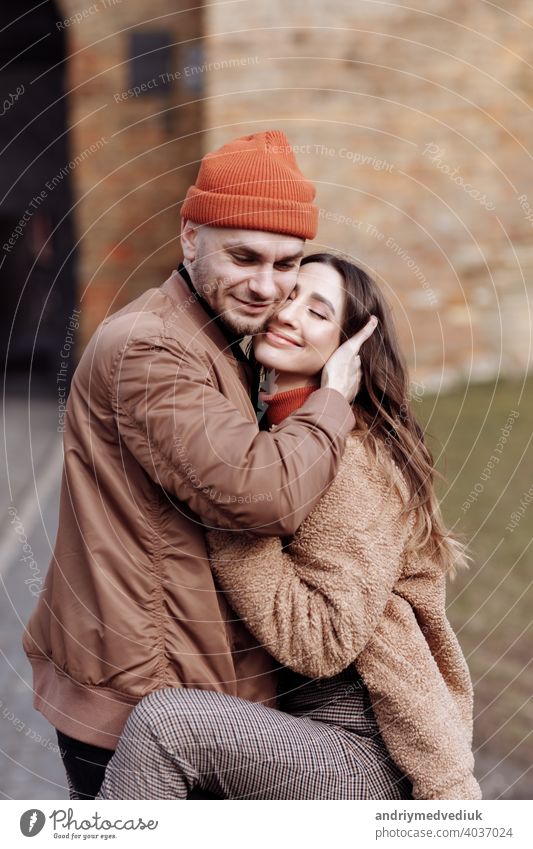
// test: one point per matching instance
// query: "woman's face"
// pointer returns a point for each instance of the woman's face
(302, 335)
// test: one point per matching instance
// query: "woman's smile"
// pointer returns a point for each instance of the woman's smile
(281, 340)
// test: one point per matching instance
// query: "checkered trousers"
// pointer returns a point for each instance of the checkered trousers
(324, 744)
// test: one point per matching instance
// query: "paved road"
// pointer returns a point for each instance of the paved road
(30, 469)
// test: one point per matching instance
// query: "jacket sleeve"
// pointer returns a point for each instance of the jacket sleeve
(315, 605)
(419, 720)
(193, 442)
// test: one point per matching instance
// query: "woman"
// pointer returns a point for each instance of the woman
(377, 699)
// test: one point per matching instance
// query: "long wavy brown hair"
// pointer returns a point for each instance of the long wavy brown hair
(383, 410)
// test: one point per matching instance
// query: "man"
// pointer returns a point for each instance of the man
(161, 439)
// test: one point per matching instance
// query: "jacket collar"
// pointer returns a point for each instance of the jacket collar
(185, 297)
(179, 288)
(231, 338)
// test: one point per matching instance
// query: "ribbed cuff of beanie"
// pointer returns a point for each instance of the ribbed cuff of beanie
(286, 217)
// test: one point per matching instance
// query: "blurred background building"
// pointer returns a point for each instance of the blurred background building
(415, 125)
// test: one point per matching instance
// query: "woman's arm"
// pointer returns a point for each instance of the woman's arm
(315, 605)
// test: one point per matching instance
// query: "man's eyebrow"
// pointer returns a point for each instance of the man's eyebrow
(251, 252)
(292, 257)
(236, 245)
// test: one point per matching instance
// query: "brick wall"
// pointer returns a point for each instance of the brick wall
(136, 151)
(416, 127)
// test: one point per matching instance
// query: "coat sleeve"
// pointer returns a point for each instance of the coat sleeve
(192, 441)
(315, 605)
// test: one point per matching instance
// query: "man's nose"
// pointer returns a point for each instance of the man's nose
(263, 285)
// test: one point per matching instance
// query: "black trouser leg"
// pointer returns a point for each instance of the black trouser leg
(85, 764)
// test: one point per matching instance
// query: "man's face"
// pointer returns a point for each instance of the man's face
(244, 275)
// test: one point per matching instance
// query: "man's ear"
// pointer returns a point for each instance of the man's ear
(189, 238)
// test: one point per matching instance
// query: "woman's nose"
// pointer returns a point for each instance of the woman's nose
(288, 313)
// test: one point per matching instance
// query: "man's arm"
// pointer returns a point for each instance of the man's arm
(193, 442)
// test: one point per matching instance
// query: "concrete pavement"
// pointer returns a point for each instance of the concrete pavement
(30, 469)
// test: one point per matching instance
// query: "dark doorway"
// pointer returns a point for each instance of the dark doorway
(37, 271)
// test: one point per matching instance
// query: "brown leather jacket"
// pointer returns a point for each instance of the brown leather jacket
(160, 439)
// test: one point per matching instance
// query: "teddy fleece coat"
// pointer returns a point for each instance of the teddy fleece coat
(347, 589)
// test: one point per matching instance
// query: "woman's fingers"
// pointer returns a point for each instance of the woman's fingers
(362, 335)
(343, 369)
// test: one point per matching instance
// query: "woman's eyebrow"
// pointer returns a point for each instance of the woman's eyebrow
(318, 297)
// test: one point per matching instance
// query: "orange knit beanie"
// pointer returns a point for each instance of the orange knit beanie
(253, 183)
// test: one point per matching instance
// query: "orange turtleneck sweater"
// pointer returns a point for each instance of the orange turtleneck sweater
(282, 404)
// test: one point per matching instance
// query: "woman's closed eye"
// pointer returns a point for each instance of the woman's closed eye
(318, 314)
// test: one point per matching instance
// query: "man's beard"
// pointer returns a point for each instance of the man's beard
(241, 326)
(238, 325)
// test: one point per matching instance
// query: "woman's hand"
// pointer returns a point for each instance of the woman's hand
(343, 369)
